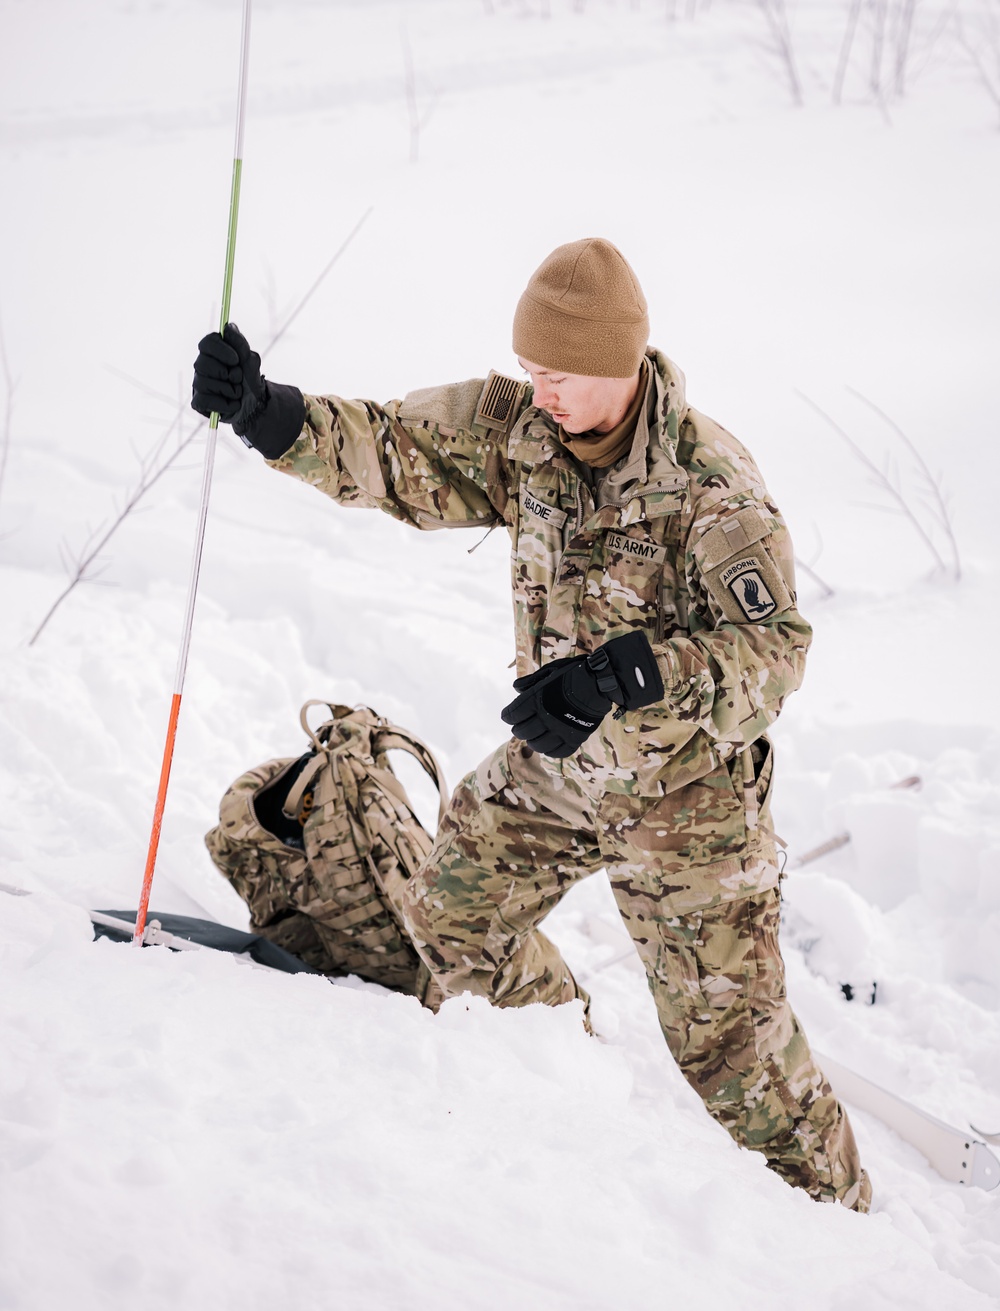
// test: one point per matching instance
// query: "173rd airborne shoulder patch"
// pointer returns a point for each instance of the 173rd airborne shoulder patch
(739, 571)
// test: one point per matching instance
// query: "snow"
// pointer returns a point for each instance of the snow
(178, 1130)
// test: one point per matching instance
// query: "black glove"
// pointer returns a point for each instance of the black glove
(227, 379)
(228, 382)
(562, 703)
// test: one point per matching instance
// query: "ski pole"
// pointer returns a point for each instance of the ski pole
(206, 485)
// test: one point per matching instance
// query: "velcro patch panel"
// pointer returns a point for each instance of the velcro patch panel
(740, 572)
(730, 536)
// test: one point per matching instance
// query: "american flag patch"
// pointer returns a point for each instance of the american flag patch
(498, 401)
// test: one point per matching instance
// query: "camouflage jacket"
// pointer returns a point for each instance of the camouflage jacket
(681, 540)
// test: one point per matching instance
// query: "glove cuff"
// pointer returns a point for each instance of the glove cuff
(273, 425)
(633, 667)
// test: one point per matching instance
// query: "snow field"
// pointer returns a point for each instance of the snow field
(176, 1130)
(308, 1131)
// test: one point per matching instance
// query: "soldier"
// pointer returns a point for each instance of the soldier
(657, 638)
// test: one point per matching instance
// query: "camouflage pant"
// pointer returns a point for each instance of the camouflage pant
(522, 829)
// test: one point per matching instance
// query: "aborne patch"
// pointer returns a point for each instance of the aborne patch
(745, 582)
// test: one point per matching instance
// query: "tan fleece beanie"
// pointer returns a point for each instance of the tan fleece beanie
(583, 312)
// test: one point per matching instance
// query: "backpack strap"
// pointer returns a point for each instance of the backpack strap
(385, 737)
(392, 738)
(337, 711)
(305, 779)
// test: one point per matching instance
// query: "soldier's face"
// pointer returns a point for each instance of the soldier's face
(580, 403)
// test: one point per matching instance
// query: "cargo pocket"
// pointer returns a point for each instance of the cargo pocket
(665, 755)
(742, 980)
(700, 824)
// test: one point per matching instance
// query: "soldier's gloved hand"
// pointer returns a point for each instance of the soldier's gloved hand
(562, 703)
(227, 381)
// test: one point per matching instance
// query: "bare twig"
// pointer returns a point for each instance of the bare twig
(154, 466)
(932, 484)
(806, 569)
(140, 385)
(410, 81)
(879, 8)
(892, 28)
(269, 292)
(315, 286)
(903, 33)
(83, 570)
(881, 479)
(777, 20)
(845, 50)
(984, 53)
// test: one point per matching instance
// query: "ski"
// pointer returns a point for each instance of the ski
(957, 1155)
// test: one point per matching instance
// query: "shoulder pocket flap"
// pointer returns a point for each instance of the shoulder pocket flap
(730, 537)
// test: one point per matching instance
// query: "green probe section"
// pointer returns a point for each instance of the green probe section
(227, 286)
(234, 210)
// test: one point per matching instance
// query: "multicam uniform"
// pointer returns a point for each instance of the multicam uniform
(680, 540)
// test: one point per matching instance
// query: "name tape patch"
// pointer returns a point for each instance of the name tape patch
(748, 588)
(634, 547)
(540, 510)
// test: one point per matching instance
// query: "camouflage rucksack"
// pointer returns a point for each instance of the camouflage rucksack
(320, 848)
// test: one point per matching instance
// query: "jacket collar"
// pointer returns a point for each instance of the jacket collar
(651, 474)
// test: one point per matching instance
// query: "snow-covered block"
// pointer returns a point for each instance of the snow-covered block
(839, 932)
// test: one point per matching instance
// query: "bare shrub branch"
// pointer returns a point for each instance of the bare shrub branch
(845, 50)
(777, 20)
(410, 83)
(821, 583)
(879, 15)
(83, 565)
(418, 120)
(904, 32)
(983, 47)
(139, 385)
(892, 26)
(889, 483)
(824, 586)
(934, 494)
